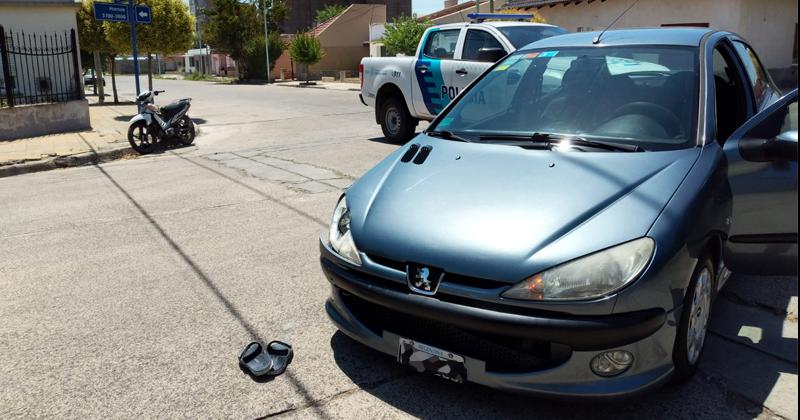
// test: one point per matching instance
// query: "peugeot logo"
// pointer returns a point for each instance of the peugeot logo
(423, 280)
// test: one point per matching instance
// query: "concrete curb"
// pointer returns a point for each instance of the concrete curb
(80, 159)
(317, 87)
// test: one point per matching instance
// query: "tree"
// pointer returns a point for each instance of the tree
(235, 28)
(92, 36)
(306, 50)
(255, 62)
(537, 17)
(403, 34)
(171, 32)
(329, 11)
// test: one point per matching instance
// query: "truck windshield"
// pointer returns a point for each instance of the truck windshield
(643, 96)
(521, 36)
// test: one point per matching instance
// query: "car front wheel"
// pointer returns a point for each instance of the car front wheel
(693, 325)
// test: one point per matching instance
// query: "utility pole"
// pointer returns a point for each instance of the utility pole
(491, 6)
(266, 36)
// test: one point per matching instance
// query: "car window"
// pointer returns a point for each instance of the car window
(643, 95)
(755, 72)
(523, 35)
(729, 95)
(441, 44)
(475, 40)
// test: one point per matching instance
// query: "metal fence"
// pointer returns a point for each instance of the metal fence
(38, 68)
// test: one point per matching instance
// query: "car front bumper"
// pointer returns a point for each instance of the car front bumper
(648, 335)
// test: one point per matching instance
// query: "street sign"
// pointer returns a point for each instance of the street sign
(143, 14)
(111, 12)
(115, 12)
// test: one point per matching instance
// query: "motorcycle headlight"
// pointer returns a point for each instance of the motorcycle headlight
(592, 276)
(340, 237)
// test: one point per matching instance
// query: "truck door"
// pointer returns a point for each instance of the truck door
(762, 174)
(437, 53)
(470, 66)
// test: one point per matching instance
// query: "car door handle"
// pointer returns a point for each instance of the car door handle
(422, 69)
(462, 72)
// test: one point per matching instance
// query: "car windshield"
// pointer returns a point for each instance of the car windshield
(642, 96)
(521, 36)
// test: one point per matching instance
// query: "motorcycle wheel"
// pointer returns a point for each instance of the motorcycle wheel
(185, 128)
(141, 138)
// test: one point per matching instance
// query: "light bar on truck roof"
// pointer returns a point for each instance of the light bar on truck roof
(480, 17)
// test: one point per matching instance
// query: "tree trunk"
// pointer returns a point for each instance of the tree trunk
(98, 78)
(149, 71)
(113, 77)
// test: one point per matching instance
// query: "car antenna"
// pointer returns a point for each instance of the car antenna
(597, 38)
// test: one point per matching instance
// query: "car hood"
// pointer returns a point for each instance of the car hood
(503, 212)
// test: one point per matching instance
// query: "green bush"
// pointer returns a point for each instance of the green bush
(403, 34)
(255, 61)
(306, 50)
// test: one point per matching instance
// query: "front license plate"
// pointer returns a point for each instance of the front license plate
(425, 358)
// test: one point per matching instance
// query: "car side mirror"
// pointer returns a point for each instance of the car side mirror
(782, 147)
(491, 55)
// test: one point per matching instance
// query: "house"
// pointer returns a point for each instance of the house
(302, 13)
(345, 40)
(42, 92)
(771, 26)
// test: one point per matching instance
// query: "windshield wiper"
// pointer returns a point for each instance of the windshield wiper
(553, 139)
(447, 135)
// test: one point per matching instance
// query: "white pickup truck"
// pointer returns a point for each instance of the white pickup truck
(404, 90)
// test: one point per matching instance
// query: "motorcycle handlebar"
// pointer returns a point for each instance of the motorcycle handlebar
(159, 91)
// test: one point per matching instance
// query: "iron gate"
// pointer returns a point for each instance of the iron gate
(39, 68)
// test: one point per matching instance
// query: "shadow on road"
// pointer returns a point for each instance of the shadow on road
(230, 307)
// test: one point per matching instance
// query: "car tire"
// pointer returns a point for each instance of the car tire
(693, 325)
(396, 122)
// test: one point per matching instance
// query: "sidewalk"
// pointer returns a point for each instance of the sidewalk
(106, 140)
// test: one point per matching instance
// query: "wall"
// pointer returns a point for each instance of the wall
(37, 120)
(302, 12)
(346, 39)
(38, 18)
(768, 25)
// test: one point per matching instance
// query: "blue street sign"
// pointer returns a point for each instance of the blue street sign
(143, 14)
(111, 12)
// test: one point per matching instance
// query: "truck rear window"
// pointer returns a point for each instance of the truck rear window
(521, 36)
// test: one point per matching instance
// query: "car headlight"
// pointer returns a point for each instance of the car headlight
(592, 276)
(340, 237)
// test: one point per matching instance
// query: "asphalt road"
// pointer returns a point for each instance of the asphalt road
(127, 289)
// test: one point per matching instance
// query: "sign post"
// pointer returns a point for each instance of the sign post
(131, 13)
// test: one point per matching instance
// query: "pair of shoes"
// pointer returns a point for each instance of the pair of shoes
(271, 362)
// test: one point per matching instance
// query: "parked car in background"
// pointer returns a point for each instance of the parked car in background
(89, 78)
(404, 90)
(564, 226)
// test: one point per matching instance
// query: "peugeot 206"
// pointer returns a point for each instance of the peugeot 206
(564, 225)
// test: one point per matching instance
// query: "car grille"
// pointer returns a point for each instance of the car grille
(474, 282)
(502, 354)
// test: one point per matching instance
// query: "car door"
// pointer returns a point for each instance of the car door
(762, 174)
(470, 66)
(436, 55)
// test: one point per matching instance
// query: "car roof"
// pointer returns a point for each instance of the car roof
(496, 24)
(641, 36)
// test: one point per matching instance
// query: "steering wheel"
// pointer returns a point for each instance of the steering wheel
(666, 118)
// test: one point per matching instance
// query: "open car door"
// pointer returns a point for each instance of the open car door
(762, 173)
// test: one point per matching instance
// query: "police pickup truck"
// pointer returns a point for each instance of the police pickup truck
(404, 90)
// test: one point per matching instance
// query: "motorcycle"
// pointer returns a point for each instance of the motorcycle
(155, 126)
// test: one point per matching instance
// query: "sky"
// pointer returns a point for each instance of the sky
(423, 7)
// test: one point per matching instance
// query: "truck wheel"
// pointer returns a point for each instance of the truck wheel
(397, 124)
